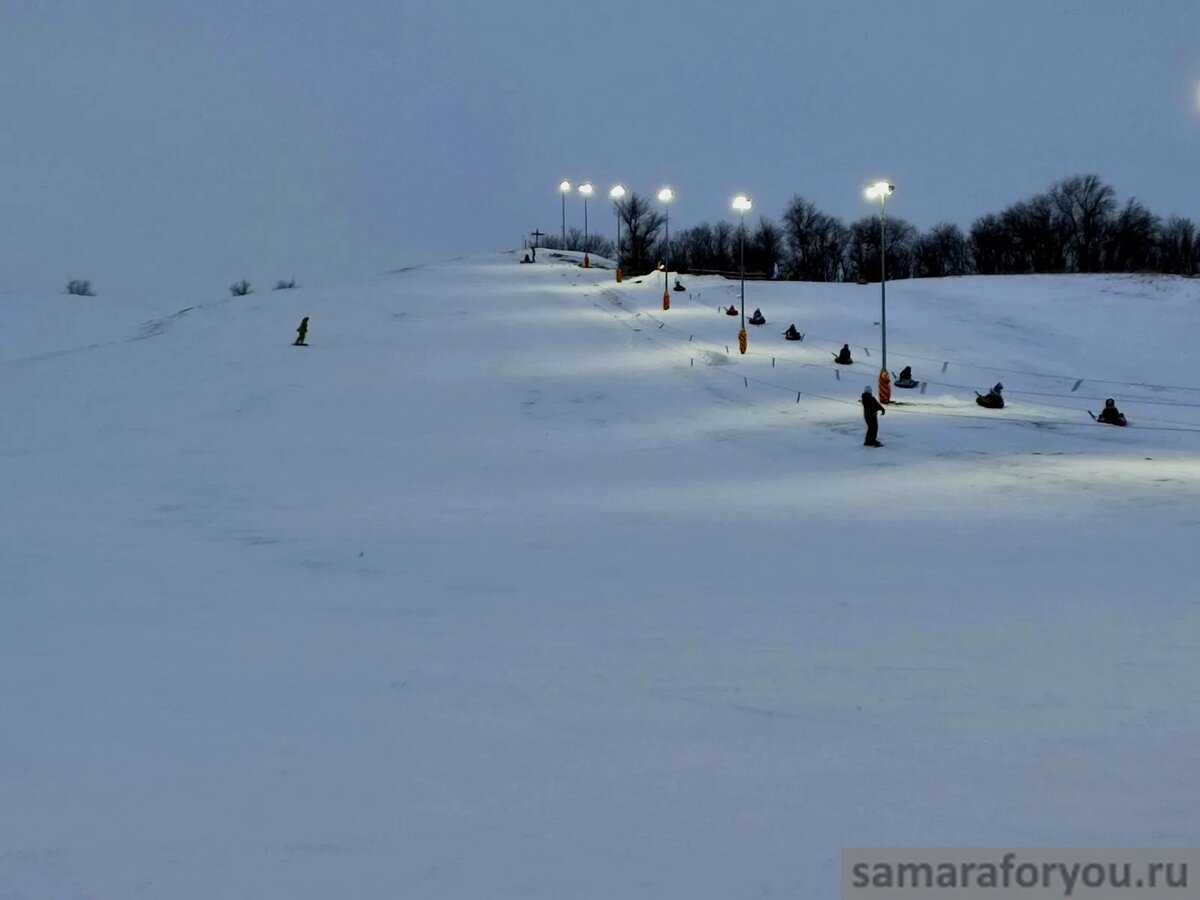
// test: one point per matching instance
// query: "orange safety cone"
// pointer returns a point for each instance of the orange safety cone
(620, 275)
(587, 263)
(885, 387)
(666, 300)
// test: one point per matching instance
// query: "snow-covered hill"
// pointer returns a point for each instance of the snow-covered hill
(512, 584)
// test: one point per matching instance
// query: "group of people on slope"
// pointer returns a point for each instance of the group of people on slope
(993, 399)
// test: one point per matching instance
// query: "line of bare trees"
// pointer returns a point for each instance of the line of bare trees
(1075, 226)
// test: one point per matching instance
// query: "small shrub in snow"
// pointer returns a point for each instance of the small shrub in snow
(240, 288)
(80, 287)
(282, 285)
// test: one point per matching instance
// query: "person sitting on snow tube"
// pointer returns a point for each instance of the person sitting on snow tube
(992, 399)
(843, 358)
(732, 311)
(679, 286)
(757, 318)
(906, 380)
(1110, 415)
(792, 334)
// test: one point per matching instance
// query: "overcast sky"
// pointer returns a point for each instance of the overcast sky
(175, 144)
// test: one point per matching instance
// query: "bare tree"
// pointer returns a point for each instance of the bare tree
(675, 255)
(704, 247)
(863, 251)
(695, 242)
(80, 287)
(814, 242)
(240, 288)
(1177, 247)
(764, 249)
(1036, 242)
(642, 225)
(1084, 205)
(1131, 241)
(941, 251)
(1025, 237)
(987, 242)
(724, 237)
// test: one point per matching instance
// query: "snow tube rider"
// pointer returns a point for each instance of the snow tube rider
(993, 399)
(1110, 415)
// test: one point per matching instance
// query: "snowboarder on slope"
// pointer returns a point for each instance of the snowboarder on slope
(871, 407)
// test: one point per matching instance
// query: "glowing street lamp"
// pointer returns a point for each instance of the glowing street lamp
(880, 191)
(617, 192)
(565, 187)
(665, 196)
(586, 190)
(743, 204)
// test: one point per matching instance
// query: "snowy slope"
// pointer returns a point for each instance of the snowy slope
(514, 585)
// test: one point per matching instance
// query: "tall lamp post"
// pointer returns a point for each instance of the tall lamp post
(617, 192)
(665, 196)
(586, 190)
(880, 191)
(565, 187)
(742, 204)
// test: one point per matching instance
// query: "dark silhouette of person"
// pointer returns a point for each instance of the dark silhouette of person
(792, 334)
(993, 399)
(526, 259)
(758, 318)
(843, 358)
(302, 333)
(872, 408)
(679, 285)
(732, 311)
(1110, 415)
(906, 380)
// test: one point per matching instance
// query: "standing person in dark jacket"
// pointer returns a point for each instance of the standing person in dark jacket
(871, 407)
(301, 333)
